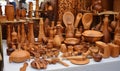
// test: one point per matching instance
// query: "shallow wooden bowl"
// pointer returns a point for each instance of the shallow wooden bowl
(92, 35)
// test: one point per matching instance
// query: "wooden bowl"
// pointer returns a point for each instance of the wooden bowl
(92, 35)
(71, 41)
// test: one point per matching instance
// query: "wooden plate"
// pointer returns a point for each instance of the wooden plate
(68, 17)
(78, 62)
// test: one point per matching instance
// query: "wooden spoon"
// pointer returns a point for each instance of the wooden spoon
(78, 17)
(87, 20)
(68, 17)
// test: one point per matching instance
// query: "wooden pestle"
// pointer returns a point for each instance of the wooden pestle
(24, 67)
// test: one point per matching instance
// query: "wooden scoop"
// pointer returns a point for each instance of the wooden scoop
(68, 17)
(87, 20)
(78, 17)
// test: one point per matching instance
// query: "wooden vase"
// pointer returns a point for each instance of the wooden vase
(57, 41)
(69, 31)
(23, 35)
(30, 9)
(114, 50)
(63, 48)
(106, 33)
(19, 35)
(9, 12)
(37, 5)
(30, 6)
(17, 14)
(41, 35)
(37, 14)
(59, 30)
(23, 13)
(14, 36)
(8, 34)
(30, 32)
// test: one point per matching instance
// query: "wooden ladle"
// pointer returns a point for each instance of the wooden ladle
(78, 17)
(68, 17)
(87, 20)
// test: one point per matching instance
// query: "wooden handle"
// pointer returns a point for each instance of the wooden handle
(24, 67)
(78, 17)
(63, 63)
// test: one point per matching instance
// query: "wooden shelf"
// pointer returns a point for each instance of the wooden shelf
(15, 21)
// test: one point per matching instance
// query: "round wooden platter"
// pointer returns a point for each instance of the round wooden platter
(79, 62)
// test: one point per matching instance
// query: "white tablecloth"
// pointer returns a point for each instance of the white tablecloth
(110, 64)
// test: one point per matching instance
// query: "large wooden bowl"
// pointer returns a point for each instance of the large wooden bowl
(92, 35)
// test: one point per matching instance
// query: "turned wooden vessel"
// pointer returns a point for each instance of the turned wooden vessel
(30, 6)
(57, 41)
(18, 13)
(41, 35)
(19, 34)
(8, 34)
(70, 49)
(69, 31)
(23, 34)
(9, 12)
(37, 14)
(114, 49)
(23, 14)
(63, 48)
(78, 33)
(37, 9)
(37, 5)
(97, 57)
(105, 31)
(59, 30)
(92, 35)
(14, 36)
(31, 32)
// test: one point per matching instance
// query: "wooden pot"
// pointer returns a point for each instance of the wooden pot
(9, 12)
